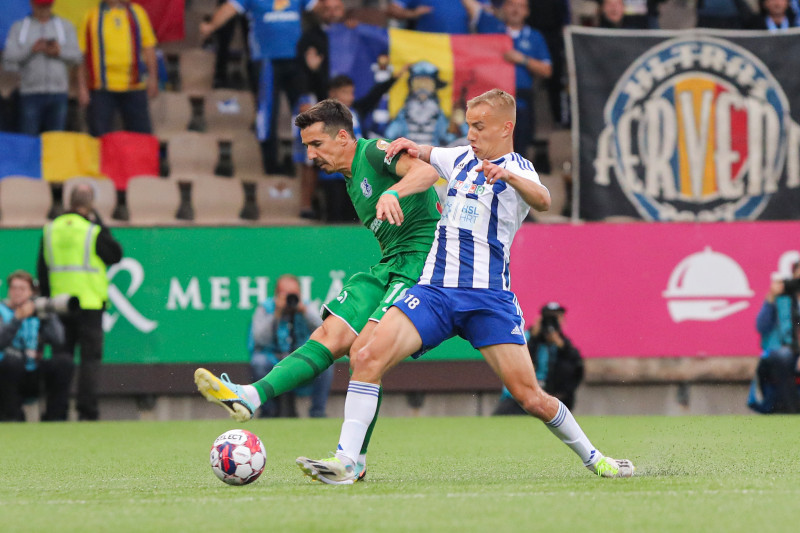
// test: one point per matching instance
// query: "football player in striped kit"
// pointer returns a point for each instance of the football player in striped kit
(464, 288)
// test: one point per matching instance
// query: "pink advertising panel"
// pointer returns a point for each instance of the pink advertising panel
(654, 290)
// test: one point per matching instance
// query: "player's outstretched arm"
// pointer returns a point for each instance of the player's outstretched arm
(416, 176)
(401, 144)
(535, 195)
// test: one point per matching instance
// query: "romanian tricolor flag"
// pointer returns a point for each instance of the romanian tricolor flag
(59, 156)
(469, 64)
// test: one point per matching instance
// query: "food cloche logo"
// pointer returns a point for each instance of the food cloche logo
(698, 128)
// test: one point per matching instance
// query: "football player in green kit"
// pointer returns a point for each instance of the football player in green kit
(394, 199)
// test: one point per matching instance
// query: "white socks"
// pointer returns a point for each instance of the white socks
(251, 394)
(564, 426)
(359, 410)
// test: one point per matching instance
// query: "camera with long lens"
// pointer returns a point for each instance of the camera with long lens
(292, 301)
(63, 304)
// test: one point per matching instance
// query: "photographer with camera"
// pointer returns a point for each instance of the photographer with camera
(280, 325)
(558, 363)
(776, 387)
(75, 251)
(23, 329)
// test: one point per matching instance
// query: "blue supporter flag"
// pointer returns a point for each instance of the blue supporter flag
(12, 11)
(20, 155)
(354, 52)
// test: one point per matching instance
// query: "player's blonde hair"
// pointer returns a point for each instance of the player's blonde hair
(498, 100)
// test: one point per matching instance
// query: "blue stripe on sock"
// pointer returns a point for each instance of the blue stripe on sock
(364, 386)
(373, 394)
(367, 389)
(560, 416)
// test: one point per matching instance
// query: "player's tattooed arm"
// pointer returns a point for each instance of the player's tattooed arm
(535, 195)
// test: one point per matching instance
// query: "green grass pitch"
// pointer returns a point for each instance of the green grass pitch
(425, 474)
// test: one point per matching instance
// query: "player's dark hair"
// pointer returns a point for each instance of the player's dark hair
(333, 114)
(342, 80)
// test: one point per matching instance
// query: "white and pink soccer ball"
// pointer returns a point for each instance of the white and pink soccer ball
(238, 457)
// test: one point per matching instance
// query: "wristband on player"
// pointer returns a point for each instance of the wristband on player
(393, 193)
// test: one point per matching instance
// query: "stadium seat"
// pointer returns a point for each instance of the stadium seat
(247, 156)
(217, 200)
(152, 201)
(229, 111)
(170, 113)
(196, 67)
(278, 196)
(24, 201)
(192, 153)
(105, 196)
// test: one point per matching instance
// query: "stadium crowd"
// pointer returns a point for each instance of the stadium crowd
(75, 70)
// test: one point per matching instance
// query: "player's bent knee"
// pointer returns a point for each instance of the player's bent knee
(366, 365)
(336, 339)
(535, 401)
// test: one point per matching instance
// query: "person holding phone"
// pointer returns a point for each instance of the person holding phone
(43, 48)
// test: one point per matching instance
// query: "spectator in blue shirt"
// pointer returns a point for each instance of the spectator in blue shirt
(275, 29)
(530, 55)
(438, 16)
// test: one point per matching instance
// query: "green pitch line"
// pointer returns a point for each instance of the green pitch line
(424, 474)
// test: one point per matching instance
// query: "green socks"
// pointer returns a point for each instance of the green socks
(298, 368)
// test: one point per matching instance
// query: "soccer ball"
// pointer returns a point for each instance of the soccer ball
(238, 457)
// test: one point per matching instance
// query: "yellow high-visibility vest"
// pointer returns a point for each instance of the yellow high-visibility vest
(72, 260)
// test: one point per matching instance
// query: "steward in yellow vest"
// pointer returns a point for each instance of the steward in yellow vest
(70, 252)
(76, 249)
(75, 254)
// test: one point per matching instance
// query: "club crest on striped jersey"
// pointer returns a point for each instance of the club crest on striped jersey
(698, 128)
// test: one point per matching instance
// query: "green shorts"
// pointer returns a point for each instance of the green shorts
(368, 295)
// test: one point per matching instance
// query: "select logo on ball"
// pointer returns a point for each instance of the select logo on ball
(238, 457)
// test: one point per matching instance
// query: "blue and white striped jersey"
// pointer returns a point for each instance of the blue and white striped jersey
(473, 237)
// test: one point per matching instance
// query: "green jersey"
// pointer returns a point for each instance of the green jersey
(372, 174)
